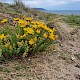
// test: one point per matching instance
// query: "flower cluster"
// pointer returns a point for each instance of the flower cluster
(4, 21)
(27, 36)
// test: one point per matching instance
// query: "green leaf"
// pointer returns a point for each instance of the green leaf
(0, 53)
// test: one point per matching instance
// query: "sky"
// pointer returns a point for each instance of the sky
(51, 4)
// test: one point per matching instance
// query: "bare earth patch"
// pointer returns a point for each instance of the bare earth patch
(51, 66)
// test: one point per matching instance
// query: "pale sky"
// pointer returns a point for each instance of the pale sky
(51, 4)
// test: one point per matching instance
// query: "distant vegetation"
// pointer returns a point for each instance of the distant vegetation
(73, 19)
(41, 9)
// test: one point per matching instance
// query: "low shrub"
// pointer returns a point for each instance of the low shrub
(26, 37)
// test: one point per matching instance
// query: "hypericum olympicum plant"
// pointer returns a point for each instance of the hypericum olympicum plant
(26, 37)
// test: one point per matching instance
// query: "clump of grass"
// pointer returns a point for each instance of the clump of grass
(19, 5)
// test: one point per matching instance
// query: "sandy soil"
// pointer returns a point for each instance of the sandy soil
(47, 66)
(70, 38)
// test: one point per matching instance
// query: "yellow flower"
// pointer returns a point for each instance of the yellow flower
(2, 36)
(20, 43)
(51, 36)
(33, 23)
(56, 36)
(54, 29)
(4, 21)
(29, 19)
(50, 30)
(24, 36)
(29, 30)
(21, 21)
(7, 44)
(34, 38)
(35, 26)
(45, 35)
(24, 24)
(7, 36)
(16, 19)
(10, 47)
(38, 31)
(24, 16)
(38, 23)
(18, 35)
(31, 41)
(44, 27)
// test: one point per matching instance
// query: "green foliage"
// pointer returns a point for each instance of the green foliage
(26, 37)
(73, 19)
